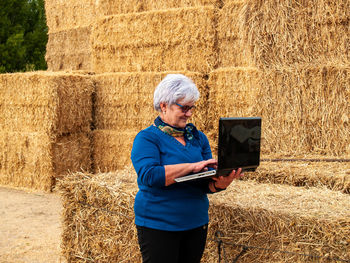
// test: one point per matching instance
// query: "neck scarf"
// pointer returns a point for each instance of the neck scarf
(188, 132)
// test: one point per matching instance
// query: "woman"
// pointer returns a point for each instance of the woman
(171, 218)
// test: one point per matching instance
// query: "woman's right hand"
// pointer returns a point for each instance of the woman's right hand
(202, 166)
(177, 170)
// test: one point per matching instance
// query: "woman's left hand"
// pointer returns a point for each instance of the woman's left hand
(222, 182)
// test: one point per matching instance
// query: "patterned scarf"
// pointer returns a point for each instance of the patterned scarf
(189, 131)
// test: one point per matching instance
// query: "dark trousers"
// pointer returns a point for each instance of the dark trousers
(159, 246)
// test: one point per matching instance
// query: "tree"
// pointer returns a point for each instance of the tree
(23, 35)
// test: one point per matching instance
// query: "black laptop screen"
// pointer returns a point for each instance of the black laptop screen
(239, 143)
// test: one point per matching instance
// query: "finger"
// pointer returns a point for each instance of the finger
(212, 161)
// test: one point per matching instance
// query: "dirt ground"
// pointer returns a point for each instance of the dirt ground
(30, 226)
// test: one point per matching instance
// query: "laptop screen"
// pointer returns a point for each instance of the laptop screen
(239, 143)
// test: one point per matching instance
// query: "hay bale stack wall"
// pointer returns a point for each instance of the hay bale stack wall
(267, 58)
(44, 127)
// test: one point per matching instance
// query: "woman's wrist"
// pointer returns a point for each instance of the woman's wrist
(213, 188)
(218, 189)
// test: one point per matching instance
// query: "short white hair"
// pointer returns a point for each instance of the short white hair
(173, 88)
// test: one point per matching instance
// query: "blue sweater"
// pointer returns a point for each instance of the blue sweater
(180, 206)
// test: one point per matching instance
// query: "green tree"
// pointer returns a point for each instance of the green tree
(23, 35)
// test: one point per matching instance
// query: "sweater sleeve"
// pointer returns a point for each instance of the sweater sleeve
(145, 157)
(206, 154)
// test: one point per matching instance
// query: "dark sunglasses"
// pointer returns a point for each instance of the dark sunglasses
(185, 108)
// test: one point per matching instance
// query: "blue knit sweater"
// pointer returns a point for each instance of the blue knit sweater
(180, 206)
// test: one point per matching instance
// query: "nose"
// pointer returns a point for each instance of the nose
(188, 113)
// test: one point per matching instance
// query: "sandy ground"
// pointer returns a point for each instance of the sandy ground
(30, 226)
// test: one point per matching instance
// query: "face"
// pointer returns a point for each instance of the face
(174, 114)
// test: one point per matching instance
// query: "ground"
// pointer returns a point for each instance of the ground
(30, 226)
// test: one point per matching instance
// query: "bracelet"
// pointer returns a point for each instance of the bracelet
(218, 189)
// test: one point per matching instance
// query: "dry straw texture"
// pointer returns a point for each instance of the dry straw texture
(62, 15)
(332, 175)
(45, 121)
(278, 217)
(70, 49)
(306, 110)
(99, 220)
(232, 93)
(283, 32)
(113, 7)
(232, 51)
(71, 153)
(34, 160)
(112, 149)
(26, 160)
(55, 103)
(125, 100)
(173, 39)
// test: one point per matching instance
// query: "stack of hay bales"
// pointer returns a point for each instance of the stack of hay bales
(44, 127)
(285, 61)
(70, 25)
(99, 221)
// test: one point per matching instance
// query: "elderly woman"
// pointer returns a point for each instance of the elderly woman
(172, 218)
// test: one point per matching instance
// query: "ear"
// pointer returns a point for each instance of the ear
(163, 106)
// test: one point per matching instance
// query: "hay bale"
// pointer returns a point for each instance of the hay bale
(99, 220)
(62, 15)
(114, 7)
(279, 217)
(309, 171)
(71, 153)
(232, 51)
(25, 160)
(306, 110)
(69, 49)
(112, 149)
(281, 32)
(173, 39)
(34, 160)
(55, 103)
(125, 100)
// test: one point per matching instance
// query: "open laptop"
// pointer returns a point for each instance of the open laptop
(238, 147)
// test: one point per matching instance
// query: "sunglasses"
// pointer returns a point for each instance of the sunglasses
(185, 108)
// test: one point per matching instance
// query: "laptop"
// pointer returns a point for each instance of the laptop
(238, 147)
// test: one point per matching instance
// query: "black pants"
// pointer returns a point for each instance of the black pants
(159, 246)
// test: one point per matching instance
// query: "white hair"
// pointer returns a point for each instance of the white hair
(174, 87)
